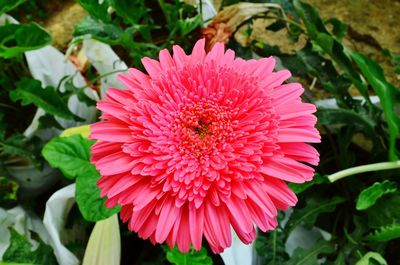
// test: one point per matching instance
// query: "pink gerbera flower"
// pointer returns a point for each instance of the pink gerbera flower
(203, 143)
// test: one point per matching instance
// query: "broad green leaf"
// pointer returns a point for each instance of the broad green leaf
(308, 215)
(385, 233)
(87, 196)
(18, 38)
(72, 156)
(69, 154)
(370, 195)
(97, 10)
(7, 5)
(30, 91)
(20, 250)
(191, 258)
(387, 94)
(299, 188)
(310, 256)
(375, 256)
(8, 190)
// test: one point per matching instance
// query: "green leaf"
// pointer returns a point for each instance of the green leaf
(299, 188)
(370, 195)
(18, 38)
(270, 247)
(48, 121)
(107, 33)
(88, 197)
(20, 251)
(72, 156)
(191, 258)
(386, 211)
(339, 29)
(131, 11)
(321, 37)
(7, 5)
(8, 190)
(385, 233)
(344, 117)
(69, 154)
(387, 94)
(189, 24)
(309, 214)
(30, 91)
(16, 144)
(96, 10)
(310, 256)
(375, 256)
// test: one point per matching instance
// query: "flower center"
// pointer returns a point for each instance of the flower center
(201, 127)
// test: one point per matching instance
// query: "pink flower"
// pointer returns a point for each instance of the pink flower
(203, 143)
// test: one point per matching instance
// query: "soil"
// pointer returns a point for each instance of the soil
(373, 26)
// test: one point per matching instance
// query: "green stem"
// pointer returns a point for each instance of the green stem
(365, 168)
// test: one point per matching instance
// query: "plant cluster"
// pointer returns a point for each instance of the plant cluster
(349, 213)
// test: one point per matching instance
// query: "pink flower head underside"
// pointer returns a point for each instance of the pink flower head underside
(202, 143)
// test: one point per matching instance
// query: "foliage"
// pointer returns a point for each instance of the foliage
(142, 27)
(20, 251)
(71, 155)
(361, 214)
(193, 257)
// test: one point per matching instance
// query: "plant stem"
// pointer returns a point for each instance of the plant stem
(365, 168)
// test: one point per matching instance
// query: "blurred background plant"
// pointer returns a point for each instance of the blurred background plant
(343, 217)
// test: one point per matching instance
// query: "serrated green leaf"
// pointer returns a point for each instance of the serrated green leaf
(189, 24)
(191, 258)
(30, 91)
(370, 195)
(16, 39)
(308, 215)
(387, 95)
(7, 5)
(321, 36)
(385, 233)
(339, 29)
(97, 10)
(270, 247)
(344, 117)
(386, 211)
(48, 121)
(130, 11)
(16, 144)
(365, 260)
(72, 156)
(69, 154)
(8, 190)
(310, 256)
(299, 188)
(107, 33)
(20, 251)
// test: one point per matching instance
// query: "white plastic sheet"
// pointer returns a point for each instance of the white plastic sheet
(106, 61)
(55, 216)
